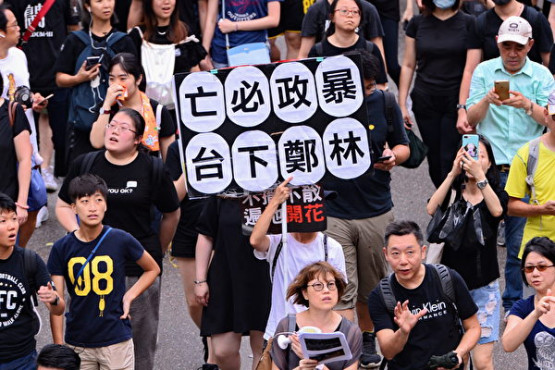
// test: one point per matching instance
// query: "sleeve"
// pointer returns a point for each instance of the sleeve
(173, 161)
(125, 45)
(478, 88)
(279, 356)
(412, 27)
(473, 40)
(337, 257)
(373, 26)
(310, 24)
(167, 126)
(68, 55)
(543, 36)
(166, 196)
(399, 134)
(42, 277)
(21, 123)
(546, 86)
(354, 338)
(269, 254)
(72, 173)
(55, 261)
(521, 308)
(380, 316)
(381, 78)
(193, 51)
(208, 220)
(134, 249)
(465, 304)
(516, 185)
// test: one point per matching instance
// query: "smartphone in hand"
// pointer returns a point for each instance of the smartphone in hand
(502, 89)
(471, 144)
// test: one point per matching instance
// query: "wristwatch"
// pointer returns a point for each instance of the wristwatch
(461, 106)
(104, 111)
(55, 303)
(482, 184)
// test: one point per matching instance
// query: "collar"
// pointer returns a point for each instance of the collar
(527, 69)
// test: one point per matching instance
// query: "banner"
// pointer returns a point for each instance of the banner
(246, 129)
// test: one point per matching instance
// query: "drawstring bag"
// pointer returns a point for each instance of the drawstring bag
(418, 151)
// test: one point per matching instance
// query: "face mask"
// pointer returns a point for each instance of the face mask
(444, 4)
(501, 2)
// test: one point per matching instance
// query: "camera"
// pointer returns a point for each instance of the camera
(448, 361)
(24, 96)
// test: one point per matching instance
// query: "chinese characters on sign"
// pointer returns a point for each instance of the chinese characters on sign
(246, 128)
(305, 210)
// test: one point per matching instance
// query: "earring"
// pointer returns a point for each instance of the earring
(356, 30)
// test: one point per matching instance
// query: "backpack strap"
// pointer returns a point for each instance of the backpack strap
(88, 161)
(274, 261)
(159, 116)
(30, 268)
(83, 37)
(114, 38)
(157, 171)
(389, 111)
(326, 247)
(369, 46)
(386, 291)
(446, 281)
(319, 49)
(531, 166)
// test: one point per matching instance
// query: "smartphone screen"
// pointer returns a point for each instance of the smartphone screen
(92, 61)
(471, 144)
(502, 89)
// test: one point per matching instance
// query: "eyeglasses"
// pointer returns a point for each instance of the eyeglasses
(319, 286)
(12, 25)
(530, 269)
(114, 127)
(345, 12)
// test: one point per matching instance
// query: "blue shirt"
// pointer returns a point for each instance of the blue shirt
(238, 11)
(93, 318)
(509, 128)
(540, 343)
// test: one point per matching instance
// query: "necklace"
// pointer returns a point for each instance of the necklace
(161, 33)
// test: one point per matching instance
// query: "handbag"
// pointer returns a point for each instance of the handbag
(418, 151)
(245, 54)
(37, 196)
(265, 362)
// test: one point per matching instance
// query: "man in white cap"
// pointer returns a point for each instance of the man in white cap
(510, 123)
(532, 173)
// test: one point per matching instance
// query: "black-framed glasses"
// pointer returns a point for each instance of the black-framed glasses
(319, 286)
(530, 269)
(114, 127)
(345, 12)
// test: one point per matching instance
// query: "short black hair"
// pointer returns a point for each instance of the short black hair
(7, 203)
(3, 18)
(137, 118)
(370, 65)
(86, 185)
(58, 356)
(404, 227)
(541, 245)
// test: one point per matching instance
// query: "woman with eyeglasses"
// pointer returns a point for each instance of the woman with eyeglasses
(346, 17)
(435, 49)
(318, 286)
(126, 91)
(476, 183)
(137, 182)
(532, 320)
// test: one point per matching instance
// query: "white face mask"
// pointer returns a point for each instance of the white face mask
(444, 4)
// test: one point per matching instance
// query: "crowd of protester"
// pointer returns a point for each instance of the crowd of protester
(86, 105)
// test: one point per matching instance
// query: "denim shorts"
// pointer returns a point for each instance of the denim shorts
(488, 300)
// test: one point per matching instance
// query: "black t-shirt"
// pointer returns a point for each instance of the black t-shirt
(329, 50)
(131, 195)
(189, 15)
(487, 27)
(317, 20)
(187, 55)
(122, 12)
(18, 322)
(477, 263)
(72, 47)
(440, 51)
(186, 233)
(436, 332)
(43, 47)
(370, 194)
(8, 180)
(388, 8)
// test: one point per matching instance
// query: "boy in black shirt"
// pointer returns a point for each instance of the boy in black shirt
(21, 271)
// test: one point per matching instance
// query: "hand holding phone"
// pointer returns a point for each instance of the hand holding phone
(384, 158)
(502, 89)
(471, 144)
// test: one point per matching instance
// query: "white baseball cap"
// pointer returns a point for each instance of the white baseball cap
(515, 29)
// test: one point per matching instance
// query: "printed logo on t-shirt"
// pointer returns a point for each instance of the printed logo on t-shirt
(31, 12)
(12, 299)
(545, 346)
(435, 310)
(129, 187)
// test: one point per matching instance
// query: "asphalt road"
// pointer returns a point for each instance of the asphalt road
(179, 345)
